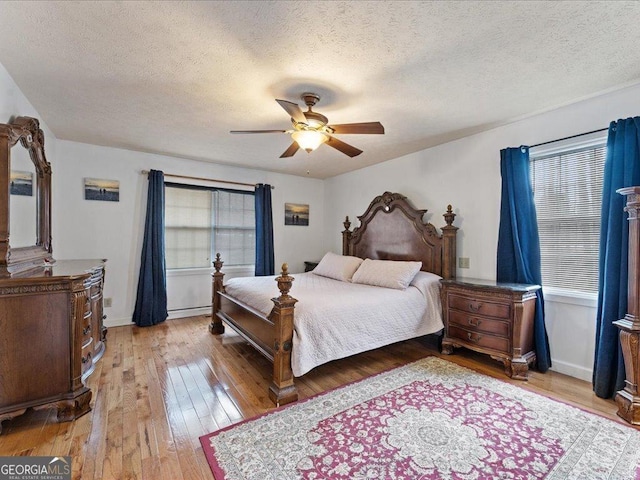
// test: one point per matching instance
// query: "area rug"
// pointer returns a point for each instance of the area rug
(430, 419)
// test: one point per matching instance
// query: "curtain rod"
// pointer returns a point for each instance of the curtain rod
(568, 138)
(144, 172)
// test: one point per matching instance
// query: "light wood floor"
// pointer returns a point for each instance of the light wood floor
(158, 389)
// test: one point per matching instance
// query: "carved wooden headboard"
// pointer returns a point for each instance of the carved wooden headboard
(391, 229)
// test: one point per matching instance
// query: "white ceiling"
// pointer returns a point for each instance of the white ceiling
(174, 77)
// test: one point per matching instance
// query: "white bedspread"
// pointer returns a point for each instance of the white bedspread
(335, 319)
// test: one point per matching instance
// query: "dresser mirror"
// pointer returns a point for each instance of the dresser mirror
(23, 213)
(25, 196)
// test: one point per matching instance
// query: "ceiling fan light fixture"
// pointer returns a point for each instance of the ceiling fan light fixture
(309, 140)
(311, 129)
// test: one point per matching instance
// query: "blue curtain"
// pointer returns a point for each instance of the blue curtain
(621, 169)
(264, 231)
(518, 241)
(151, 301)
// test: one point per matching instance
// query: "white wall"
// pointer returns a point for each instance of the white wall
(466, 174)
(14, 104)
(114, 230)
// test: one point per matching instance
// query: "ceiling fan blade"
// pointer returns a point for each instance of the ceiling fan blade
(293, 110)
(258, 131)
(290, 152)
(343, 147)
(362, 128)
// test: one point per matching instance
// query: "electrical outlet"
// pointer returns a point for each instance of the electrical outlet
(107, 302)
(463, 262)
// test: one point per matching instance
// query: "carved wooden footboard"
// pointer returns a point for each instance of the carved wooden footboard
(271, 335)
(391, 229)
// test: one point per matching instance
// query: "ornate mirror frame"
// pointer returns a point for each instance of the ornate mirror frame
(27, 132)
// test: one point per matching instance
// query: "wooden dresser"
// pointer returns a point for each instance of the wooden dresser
(492, 318)
(51, 315)
(51, 319)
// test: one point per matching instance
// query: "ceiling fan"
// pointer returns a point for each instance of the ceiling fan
(311, 129)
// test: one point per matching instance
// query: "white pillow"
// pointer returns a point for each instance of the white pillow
(338, 267)
(386, 273)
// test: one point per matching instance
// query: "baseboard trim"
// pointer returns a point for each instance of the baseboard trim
(187, 312)
(572, 370)
(117, 322)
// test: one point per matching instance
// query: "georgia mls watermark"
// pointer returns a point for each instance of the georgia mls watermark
(35, 468)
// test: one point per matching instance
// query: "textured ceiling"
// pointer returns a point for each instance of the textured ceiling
(175, 77)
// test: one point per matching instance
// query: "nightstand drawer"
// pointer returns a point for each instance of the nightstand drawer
(479, 324)
(493, 342)
(480, 307)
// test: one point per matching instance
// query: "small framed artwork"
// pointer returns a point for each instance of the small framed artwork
(100, 189)
(21, 183)
(296, 214)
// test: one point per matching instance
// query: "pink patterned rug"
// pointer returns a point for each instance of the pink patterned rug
(431, 419)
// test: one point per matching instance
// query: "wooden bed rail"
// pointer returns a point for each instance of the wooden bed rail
(271, 335)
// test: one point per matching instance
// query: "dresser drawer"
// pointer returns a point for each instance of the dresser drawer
(87, 356)
(479, 307)
(480, 324)
(86, 331)
(477, 339)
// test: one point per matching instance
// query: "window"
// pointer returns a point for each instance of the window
(567, 186)
(200, 222)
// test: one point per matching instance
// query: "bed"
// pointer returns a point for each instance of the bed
(297, 334)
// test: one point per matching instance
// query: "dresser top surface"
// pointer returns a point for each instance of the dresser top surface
(60, 268)
(483, 283)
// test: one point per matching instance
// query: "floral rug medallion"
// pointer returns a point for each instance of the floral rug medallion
(431, 419)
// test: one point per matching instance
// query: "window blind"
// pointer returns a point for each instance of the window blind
(187, 226)
(234, 228)
(567, 189)
(200, 222)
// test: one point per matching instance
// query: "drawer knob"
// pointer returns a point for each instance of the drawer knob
(474, 322)
(472, 338)
(87, 358)
(475, 306)
(86, 329)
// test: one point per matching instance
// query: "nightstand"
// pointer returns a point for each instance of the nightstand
(492, 318)
(308, 266)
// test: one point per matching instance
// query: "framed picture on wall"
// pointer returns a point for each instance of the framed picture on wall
(296, 214)
(21, 183)
(100, 189)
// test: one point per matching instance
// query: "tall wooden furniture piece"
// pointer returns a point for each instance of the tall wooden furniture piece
(492, 318)
(51, 313)
(628, 399)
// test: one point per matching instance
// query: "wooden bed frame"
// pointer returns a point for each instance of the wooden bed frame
(390, 229)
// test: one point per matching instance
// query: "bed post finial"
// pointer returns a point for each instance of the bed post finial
(346, 236)
(449, 216)
(216, 327)
(449, 233)
(284, 280)
(217, 264)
